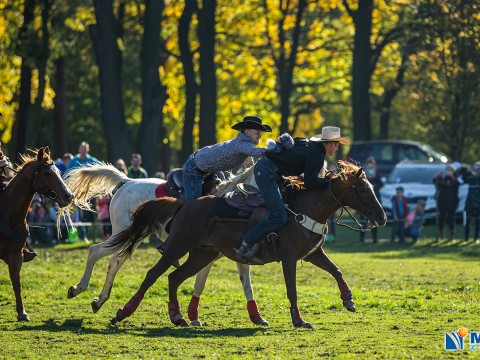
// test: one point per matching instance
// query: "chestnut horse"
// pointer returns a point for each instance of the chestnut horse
(37, 174)
(206, 236)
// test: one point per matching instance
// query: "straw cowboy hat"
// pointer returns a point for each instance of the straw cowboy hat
(251, 122)
(331, 133)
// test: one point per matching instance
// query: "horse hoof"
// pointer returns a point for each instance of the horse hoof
(305, 325)
(71, 292)
(349, 305)
(262, 322)
(115, 322)
(196, 323)
(181, 322)
(23, 317)
(96, 306)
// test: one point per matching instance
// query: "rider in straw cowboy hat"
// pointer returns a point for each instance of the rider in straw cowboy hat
(223, 156)
(307, 157)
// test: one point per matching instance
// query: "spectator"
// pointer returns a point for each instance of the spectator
(81, 159)
(37, 218)
(135, 171)
(120, 165)
(62, 163)
(104, 216)
(399, 213)
(371, 172)
(415, 221)
(472, 204)
(447, 200)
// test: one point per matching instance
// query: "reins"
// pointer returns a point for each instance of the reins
(343, 208)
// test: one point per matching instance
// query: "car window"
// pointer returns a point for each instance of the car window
(408, 152)
(381, 152)
(417, 174)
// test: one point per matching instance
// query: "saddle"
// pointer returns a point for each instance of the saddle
(174, 185)
(247, 198)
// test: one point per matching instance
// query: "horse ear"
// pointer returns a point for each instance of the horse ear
(359, 173)
(47, 151)
(40, 154)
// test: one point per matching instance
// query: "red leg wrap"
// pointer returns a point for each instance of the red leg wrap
(345, 292)
(132, 305)
(174, 311)
(193, 308)
(253, 312)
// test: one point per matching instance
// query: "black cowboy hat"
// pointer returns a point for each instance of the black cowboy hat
(252, 122)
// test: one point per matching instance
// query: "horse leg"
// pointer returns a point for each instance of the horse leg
(95, 253)
(289, 266)
(197, 260)
(171, 254)
(14, 267)
(320, 259)
(198, 287)
(114, 264)
(253, 312)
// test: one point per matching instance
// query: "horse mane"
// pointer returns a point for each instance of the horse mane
(91, 181)
(345, 172)
(231, 184)
(28, 159)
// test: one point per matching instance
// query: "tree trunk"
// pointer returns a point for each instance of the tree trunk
(362, 71)
(286, 73)
(389, 96)
(24, 103)
(108, 58)
(60, 112)
(32, 131)
(153, 92)
(208, 80)
(191, 86)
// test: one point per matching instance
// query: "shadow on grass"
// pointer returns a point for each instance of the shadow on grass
(469, 250)
(76, 326)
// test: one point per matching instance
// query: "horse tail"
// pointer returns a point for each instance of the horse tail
(88, 182)
(147, 219)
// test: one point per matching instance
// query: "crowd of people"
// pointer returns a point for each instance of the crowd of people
(407, 222)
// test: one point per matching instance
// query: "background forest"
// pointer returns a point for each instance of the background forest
(164, 77)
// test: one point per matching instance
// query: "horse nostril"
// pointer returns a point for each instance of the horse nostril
(68, 196)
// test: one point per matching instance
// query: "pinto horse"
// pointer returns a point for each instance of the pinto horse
(37, 174)
(206, 236)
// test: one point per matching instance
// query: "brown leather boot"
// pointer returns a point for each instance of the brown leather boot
(28, 255)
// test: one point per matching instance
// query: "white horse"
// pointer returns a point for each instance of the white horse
(100, 180)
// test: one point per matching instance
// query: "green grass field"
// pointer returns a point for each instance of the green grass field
(407, 297)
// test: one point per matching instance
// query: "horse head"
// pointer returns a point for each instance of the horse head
(350, 187)
(45, 178)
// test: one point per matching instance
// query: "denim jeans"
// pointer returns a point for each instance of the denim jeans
(192, 181)
(266, 177)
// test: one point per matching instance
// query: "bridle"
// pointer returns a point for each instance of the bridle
(52, 195)
(362, 228)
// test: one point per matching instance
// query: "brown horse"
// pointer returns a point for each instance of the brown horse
(37, 174)
(196, 230)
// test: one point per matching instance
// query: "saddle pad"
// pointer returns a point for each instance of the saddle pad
(161, 190)
(223, 210)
